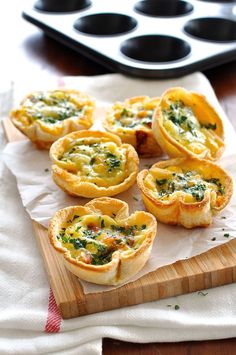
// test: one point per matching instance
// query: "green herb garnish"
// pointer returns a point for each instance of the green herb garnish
(126, 113)
(216, 181)
(113, 162)
(197, 191)
(49, 120)
(92, 161)
(78, 243)
(209, 126)
(161, 182)
(202, 293)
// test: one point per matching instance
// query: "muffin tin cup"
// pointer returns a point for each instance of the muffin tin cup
(220, 1)
(155, 48)
(105, 24)
(145, 38)
(61, 6)
(163, 8)
(212, 29)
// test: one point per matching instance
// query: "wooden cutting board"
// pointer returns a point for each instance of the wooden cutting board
(214, 268)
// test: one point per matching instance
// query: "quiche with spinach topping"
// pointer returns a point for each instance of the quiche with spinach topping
(93, 164)
(100, 242)
(186, 124)
(131, 120)
(185, 191)
(45, 116)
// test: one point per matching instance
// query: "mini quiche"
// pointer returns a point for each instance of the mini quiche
(185, 124)
(185, 191)
(131, 120)
(45, 116)
(93, 164)
(100, 242)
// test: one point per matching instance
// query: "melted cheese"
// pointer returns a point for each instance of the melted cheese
(166, 184)
(50, 107)
(93, 239)
(97, 160)
(184, 127)
(133, 115)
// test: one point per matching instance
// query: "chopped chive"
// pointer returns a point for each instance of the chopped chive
(226, 235)
(161, 182)
(202, 293)
(209, 126)
(92, 161)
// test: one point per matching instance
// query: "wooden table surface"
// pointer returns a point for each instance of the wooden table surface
(25, 50)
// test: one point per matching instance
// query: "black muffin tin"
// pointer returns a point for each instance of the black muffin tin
(148, 38)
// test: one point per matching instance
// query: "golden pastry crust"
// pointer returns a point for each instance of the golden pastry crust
(185, 124)
(93, 164)
(131, 120)
(185, 191)
(100, 242)
(45, 116)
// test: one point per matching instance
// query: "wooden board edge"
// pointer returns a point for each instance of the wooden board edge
(168, 281)
(12, 134)
(180, 277)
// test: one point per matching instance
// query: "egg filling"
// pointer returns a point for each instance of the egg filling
(134, 115)
(52, 107)
(93, 239)
(96, 160)
(181, 123)
(192, 185)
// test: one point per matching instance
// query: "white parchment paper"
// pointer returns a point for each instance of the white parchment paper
(42, 198)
